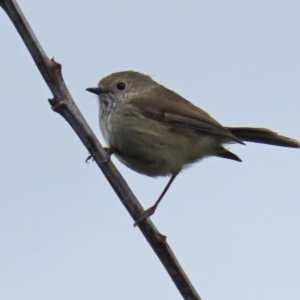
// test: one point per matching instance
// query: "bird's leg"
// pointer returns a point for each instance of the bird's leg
(150, 211)
(109, 152)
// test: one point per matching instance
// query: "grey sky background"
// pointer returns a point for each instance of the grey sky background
(234, 227)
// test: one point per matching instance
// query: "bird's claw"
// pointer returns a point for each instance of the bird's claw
(88, 158)
(109, 152)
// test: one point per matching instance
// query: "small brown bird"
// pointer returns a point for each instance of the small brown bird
(156, 132)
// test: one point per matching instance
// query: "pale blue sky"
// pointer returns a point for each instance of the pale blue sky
(235, 227)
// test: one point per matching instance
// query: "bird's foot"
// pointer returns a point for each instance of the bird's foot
(148, 212)
(109, 152)
(88, 158)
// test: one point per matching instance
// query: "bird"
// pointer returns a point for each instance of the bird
(156, 132)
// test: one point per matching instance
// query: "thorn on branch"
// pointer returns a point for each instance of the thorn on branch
(56, 104)
(55, 63)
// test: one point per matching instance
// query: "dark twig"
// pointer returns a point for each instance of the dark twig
(63, 104)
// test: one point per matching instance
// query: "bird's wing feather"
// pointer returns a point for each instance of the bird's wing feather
(172, 108)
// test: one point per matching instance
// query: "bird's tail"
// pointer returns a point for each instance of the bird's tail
(263, 136)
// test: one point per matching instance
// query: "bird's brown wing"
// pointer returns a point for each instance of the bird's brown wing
(172, 108)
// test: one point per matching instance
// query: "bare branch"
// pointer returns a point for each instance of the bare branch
(63, 104)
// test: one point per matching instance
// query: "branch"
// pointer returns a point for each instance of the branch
(63, 103)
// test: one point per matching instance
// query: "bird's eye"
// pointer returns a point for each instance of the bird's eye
(121, 86)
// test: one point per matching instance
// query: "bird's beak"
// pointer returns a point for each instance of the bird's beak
(97, 90)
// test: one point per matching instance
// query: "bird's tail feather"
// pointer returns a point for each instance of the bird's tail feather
(263, 136)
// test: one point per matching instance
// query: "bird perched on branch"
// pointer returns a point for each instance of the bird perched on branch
(156, 132)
